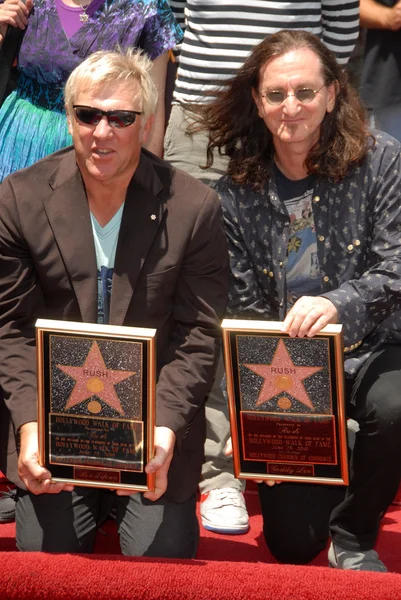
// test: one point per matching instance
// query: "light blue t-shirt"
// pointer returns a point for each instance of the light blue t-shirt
(105, 239)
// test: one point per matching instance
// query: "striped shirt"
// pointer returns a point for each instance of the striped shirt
(220, 34)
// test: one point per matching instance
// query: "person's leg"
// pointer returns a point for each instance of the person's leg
(376, 459)
(217, 470)
(188, 152)
(222, 502)
(7, 505)
(64, 522)
(296, 518)
(7, 497)
(161, 529)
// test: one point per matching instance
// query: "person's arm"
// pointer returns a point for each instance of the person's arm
(340, 21)
(361, 304)
(178, 8)
(189, 359)
(199, 302)
(37, 479)
(159, 465)
(156, 138)
(309, 315)
(378, 16)
(245, 298)
(21, 301)
(160, 34)
(14, 13)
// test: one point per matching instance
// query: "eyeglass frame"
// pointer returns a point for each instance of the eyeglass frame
(315, 92)
(106, 113)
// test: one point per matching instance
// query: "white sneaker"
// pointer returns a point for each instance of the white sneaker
(223, 510)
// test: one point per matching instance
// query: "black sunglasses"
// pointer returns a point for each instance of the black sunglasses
(115, 118)
(303, 95)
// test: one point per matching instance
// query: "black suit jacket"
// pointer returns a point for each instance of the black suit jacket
(170, 273)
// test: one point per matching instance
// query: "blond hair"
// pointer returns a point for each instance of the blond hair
(104, 67)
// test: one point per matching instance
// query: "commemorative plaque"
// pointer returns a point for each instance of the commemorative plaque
(286, 403)
(96, 397)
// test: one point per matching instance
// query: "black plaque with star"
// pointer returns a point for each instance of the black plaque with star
(96, 394)
(286, 402)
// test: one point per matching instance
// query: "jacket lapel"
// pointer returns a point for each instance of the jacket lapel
(142, 216)
(68, 214)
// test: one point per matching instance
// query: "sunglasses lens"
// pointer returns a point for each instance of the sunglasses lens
(121, 118)
(275, 97)
(115, 118)
(88, 115)
(305, 95)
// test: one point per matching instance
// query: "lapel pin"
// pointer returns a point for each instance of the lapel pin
(153, 217)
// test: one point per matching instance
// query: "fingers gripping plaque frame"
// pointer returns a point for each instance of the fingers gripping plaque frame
(286, 403)
(96, 403)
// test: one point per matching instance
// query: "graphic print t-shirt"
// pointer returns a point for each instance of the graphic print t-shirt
(105, 239)
(302, 271)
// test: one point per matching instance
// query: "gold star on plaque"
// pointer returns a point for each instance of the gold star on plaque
(283, 376)
(93, 378)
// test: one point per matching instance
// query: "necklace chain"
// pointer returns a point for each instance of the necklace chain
(83, 17)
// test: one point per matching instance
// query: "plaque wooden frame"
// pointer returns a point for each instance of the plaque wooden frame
(96, 403)
(287, 414)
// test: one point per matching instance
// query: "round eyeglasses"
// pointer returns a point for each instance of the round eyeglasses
(303, 95)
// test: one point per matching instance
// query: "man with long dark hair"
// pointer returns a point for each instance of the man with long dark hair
(312, 207)
(219, 35)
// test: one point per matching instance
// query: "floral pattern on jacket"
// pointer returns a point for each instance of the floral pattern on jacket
(48, 56)
(358, 229)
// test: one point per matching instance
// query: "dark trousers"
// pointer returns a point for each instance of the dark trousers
(298, 518)
(67, 522)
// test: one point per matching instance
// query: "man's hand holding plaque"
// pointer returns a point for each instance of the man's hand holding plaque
(309, 315)
(36, 478)
(286, 396)
(159, 464)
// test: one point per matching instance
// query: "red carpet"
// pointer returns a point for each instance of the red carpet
(226, 568)
(83, 578)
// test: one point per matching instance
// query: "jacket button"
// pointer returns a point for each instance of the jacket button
(350, 247)
(316, 199)
(265, 271)
(325, 279)
(321, 238)
(357, 243)
(271, 274)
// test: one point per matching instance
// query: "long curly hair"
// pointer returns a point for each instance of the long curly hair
(235, 128)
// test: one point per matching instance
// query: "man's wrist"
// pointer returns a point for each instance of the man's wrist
(30, 428)
(388, 18)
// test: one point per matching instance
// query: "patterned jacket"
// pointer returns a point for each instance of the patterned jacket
(358, 230)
